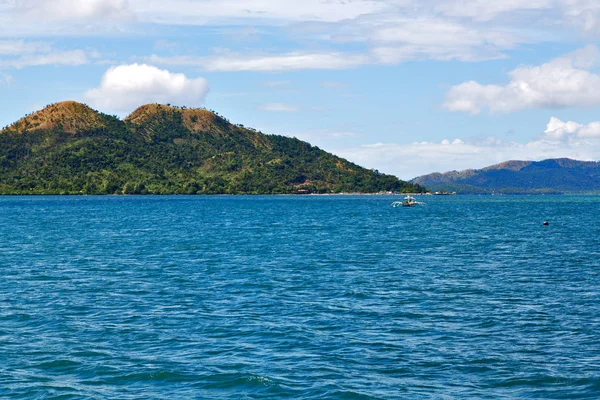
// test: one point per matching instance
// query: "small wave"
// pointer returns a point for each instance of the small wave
(229, 381)
(151, 376)
(58, 365)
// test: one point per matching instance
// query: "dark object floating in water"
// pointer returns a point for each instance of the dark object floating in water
(546, 223)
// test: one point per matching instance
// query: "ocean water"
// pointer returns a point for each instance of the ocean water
(299, 297)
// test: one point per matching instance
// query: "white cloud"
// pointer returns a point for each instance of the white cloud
(22, 53)
(234, 62)
(226, 11)
(73, 10)
(391, 41)
(428, 32)
(485, 10)
(125, 87)
(567, 81)
(278, 107)
(498, 18)
(18, 47)
(557, 129)
(39, 18)
(285, 62)
(583, 14)
(401, 39)
(393, 31)
(54, 57)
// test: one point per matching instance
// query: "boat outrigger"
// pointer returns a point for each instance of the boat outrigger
(408, 201)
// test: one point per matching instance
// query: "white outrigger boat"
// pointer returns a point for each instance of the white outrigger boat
(408, 201)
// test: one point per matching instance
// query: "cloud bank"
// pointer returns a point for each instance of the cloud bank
(560, 139)
(391, 31)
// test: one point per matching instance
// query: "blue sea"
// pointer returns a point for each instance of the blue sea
(308, 297)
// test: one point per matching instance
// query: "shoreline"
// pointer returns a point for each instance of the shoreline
(293, 194)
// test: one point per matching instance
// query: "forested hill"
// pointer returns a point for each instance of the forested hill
(68, 148)
(561, 175)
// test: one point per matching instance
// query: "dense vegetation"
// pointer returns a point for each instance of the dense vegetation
(68, 148)
(520, 177)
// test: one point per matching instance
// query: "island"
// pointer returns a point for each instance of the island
(69, 148)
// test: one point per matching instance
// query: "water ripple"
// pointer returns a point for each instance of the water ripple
(299, 297)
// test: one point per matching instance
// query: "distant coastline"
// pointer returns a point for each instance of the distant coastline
(552, 176)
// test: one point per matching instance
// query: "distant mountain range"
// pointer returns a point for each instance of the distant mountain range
(561, 175)
(69, 148)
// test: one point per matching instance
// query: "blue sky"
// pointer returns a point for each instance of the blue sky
(404, 86)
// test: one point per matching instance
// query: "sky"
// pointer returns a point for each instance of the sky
(407, 87)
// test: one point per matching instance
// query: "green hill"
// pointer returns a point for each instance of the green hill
(68, 148)
(561, 175)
